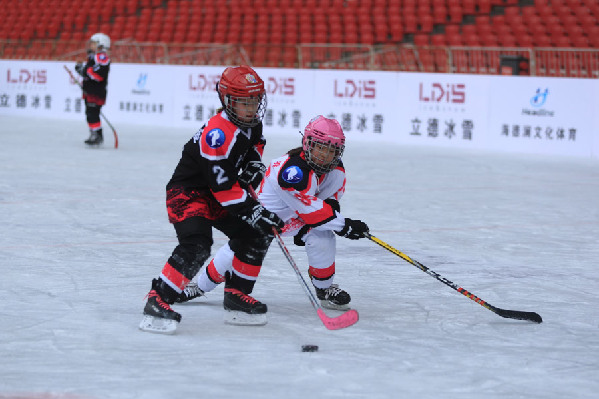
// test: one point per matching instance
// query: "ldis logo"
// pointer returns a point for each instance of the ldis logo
(201, 82)
(280, 86)
(355, 89)
(26, 76)
(443, 93)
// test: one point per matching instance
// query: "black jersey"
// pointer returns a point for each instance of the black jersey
(95, 77)
(214, 156)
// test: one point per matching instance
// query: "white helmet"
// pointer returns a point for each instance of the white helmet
(101, 39)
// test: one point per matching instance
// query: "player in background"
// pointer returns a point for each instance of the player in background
(303, 188)
(95, 78)
(209, 189)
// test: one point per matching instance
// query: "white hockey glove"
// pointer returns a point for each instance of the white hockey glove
(262, 220)
(253, 174)
(354, 229)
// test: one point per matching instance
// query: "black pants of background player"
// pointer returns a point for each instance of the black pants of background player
(92, 114)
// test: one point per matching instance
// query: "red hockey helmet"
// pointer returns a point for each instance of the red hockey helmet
(241, 92)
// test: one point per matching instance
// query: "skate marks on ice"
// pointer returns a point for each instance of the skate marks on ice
(85, 233)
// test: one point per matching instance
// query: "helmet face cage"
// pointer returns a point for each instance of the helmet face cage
(323, 144)
(242, 94)
(235, 106)
(316, 157)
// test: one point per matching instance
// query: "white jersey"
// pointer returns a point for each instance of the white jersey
(300, 197)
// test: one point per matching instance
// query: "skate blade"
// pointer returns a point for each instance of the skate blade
(329, 305)
(93, 145)
(237, 318)
(158, 325)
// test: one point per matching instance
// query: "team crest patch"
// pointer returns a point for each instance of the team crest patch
(215, 138)
(251, 78)
(292, 174)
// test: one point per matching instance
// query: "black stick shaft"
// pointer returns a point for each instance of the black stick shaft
(510, 314)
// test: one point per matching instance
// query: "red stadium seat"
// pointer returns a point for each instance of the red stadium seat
(254, 24)
(426, 24)
(489, 40)
(421, 39)
(524, 41)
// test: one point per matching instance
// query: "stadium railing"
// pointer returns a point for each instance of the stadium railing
(561, 62)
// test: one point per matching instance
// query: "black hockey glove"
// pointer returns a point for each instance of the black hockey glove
(79, 69)
(354, 229)
(298, 239)
(253, 174)
(262, 220)
(333, 203)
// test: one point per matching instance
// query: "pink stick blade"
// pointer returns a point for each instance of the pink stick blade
(347, 319)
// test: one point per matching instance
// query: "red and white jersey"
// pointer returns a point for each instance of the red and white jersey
(300, 197)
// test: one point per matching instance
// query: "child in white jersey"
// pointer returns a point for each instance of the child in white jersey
(303, 188)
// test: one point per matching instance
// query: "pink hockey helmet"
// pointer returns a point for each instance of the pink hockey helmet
(323, 144)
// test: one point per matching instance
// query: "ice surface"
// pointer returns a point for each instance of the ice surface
(84, 231)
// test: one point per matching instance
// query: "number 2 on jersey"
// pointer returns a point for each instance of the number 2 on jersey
(220, 174)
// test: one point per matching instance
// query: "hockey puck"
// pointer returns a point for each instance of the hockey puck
(309, 348)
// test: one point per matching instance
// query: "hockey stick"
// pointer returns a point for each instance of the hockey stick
(116, 137)
(347, 319)
(509, 314)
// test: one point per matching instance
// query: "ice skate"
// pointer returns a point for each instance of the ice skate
(190, 292)
(95, 138)
(158, 316)
(333, 297)
(242, 309)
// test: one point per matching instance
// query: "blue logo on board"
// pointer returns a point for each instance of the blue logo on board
(538, 100)
(215, 138)
(292, 174)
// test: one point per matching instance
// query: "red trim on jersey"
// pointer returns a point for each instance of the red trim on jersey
(213, 274)
(90, 72)
(293, 225)
(217, 126)
(174, 276)
(260, 148)
(318, 216)
(234, 195)
(90, 98)
(101, 58)
(182, 204)
(322, 274)
(245, 268)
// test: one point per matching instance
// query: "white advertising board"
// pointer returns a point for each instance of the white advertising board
(290, 96)
(194, 96)
(542, 115)
(140, 94)
(508, 113)
(288, 92)
(362, 102)
(39, 89)
(595, 90)
(442, 109)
